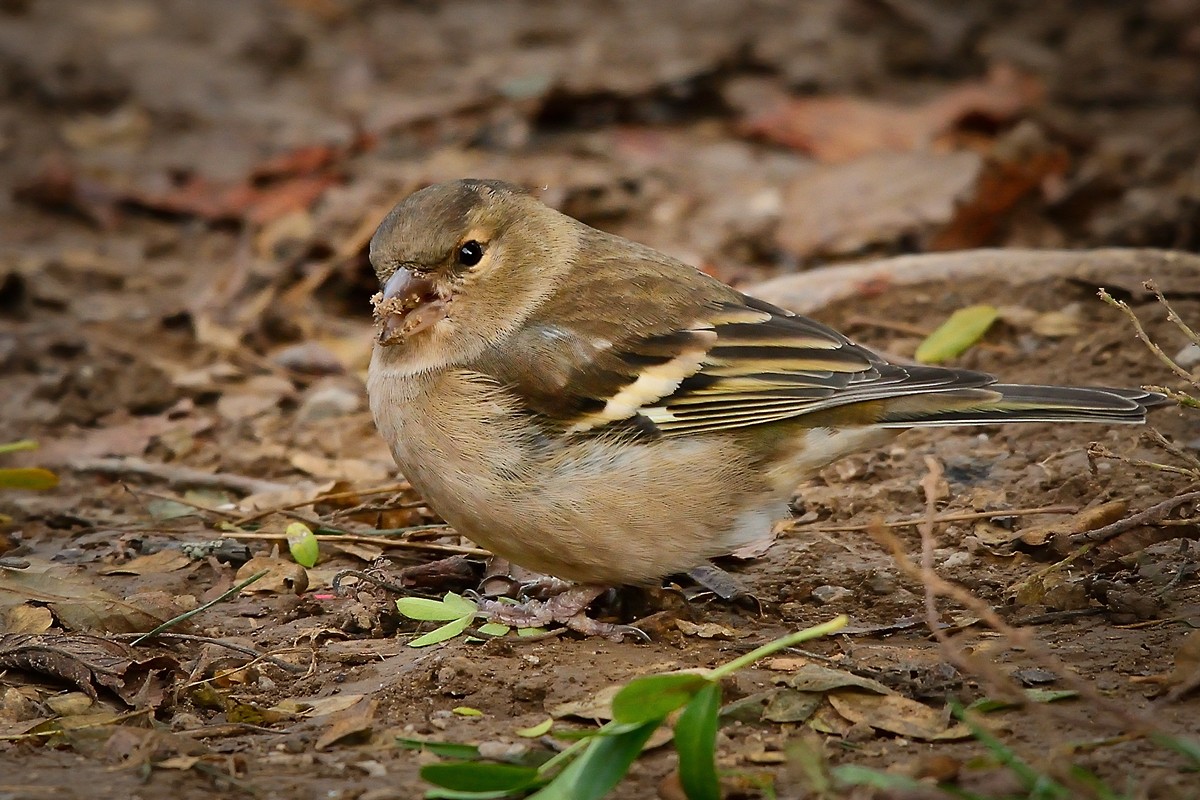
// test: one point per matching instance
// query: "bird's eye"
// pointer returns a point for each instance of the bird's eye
(470, 253)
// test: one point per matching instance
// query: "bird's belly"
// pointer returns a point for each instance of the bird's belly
(604, 510)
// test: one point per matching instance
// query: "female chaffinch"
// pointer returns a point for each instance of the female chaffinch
(595, 410)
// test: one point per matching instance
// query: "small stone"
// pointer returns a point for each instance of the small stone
(309, 358)
(830, 594)
(959, 559)
(329, 400)
(510, 752)
(1188, 357)
(860, 732)
(881, 583)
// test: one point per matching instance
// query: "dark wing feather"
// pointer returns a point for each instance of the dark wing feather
(687, 354)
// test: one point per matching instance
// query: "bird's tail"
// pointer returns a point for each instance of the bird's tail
(1001, 402)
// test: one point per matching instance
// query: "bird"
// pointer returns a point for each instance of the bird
(597, 411)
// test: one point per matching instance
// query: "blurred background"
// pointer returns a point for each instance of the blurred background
(214, 170)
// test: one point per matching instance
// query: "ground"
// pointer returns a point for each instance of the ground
(184, 329)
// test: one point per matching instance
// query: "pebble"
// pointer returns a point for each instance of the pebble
(510, 752)
(881, 583)
(959, 559)
(830, 594)
(1188, 357)
(329, 400)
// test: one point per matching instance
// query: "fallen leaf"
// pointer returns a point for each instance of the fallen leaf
(791, 705)
(352, 470)
(34, 478)
(840, 129)
(316, 706)
(78, 605)
(816, 678)
(1018, 164)
(283, 577)
(88, 662)
(706, 630)
(354, 723)
(957, 334)
(844, 208)
(28, 619)
(895, 714)
(165, 560)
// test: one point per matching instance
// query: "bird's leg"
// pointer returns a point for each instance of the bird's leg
(568, 607)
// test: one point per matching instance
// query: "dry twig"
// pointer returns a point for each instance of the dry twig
(177, 476)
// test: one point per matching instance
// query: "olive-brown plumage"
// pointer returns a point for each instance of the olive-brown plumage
(595, 410)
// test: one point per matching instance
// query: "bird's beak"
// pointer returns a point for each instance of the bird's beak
(409, 302)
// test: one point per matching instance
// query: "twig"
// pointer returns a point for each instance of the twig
(1166, 444)
(957, 517)
(228, 645)
(100, 723)
(1152, 514)
(1019, 638)
(1146, 340)
(1097, 450)
(1171, 315)
(181, 501)
(322, 498)
(176, 475)
(380, 541)
(171, 623)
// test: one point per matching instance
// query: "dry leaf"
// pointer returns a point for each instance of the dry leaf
(283, 576)
(894, 714)
(166, 560)
(28, 619)
(78, 605)
(816, 678)
(89, 662)
(316, 706)
(351, 723)
(706, 630)
(353, 470)
(840, 129)
(791, 705)
(847, 207)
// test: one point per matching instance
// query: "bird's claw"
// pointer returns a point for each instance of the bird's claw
(567, 608)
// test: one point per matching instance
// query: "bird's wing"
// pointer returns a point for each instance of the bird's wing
(691, 362)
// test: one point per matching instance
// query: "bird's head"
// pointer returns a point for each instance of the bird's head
(461, 264)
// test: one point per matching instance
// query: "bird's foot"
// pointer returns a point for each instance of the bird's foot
(568, 607)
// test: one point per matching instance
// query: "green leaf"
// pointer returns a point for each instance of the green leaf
(453, 606)
(1035, 695)
(465, 752)
(1189, 748)
(27, 478)
(302, 544)
(534, 731)
(466, 711)
(601, 766)
(447, 631)
(480, 776)
(16, 447)
(530, 631)
(450, 794)
(696, 742)
(655, 696)
(494, 629)
(954, 336)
